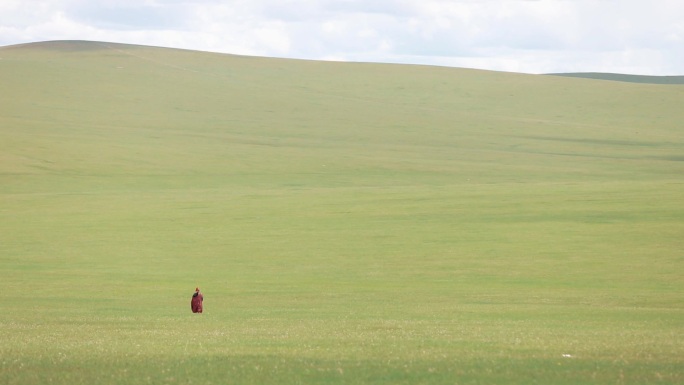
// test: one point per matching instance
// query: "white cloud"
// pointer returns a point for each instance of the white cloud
(512, 35)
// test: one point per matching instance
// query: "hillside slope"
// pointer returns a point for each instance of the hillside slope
(118, 109)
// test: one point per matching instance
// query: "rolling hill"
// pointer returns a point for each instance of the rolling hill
(112, 103)
(347, 222)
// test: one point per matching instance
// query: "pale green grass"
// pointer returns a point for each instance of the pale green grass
(348, 223)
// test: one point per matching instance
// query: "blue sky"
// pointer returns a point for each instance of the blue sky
(532, 36)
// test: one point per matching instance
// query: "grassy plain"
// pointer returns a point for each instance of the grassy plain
(347, 222)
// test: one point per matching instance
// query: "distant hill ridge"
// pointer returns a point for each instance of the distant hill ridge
(85, 45)
(625, 78)
(77, 45)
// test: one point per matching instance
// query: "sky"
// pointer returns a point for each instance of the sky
(644, 37)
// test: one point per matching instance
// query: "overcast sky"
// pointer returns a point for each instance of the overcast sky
(534, 36)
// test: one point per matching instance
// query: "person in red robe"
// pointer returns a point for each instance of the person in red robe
(196, 302)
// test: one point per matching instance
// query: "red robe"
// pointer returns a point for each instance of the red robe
(196, 302)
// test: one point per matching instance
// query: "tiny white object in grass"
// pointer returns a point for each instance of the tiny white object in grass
(567, 355)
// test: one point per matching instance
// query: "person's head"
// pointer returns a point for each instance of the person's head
(197, 289)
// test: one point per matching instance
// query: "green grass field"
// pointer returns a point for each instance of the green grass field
(347, 222)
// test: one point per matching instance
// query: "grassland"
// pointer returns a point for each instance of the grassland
(347, 222)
